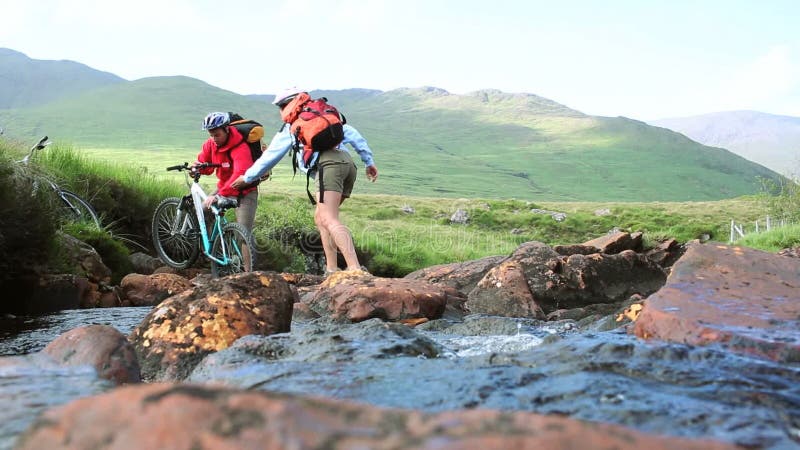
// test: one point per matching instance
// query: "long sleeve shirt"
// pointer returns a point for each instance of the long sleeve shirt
(234, 157)
(283, 141)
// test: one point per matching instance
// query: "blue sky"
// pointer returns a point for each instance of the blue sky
(640, 59)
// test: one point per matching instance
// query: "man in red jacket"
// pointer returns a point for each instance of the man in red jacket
(226, 146)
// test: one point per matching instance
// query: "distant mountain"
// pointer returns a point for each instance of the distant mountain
(768, 139)
(26, 82)
(427, 141)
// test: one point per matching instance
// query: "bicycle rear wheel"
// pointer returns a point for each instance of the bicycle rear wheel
(239, 250)
(175, 234)
(77, 209)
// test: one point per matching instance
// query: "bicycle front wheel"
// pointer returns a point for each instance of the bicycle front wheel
(239, 250)
(175, 234)
(77, 209)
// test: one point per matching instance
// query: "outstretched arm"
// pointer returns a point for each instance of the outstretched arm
(280, 144)
(359, 144)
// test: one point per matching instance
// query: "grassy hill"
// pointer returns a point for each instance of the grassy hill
(768, 139)
(427, 142)
(26, 82)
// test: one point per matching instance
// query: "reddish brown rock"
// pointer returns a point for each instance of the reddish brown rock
(616, 242)
(357, 296)
(176, 335)
(460, 276)
(665, 253)
(110, 298)
(302, 279)
(147, 290)
(183, 417)
(302, 312)
(746, 299)
(99, 346)
(575, 249)
(503, 291)
(566, 282)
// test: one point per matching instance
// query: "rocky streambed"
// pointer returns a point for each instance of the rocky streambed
(711, 360)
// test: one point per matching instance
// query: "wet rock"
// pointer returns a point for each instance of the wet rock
(587, 312)
(98, 346)
(356, 296)
(461, 276)
(111, 297)
(503, 291)
(85, 259)
(189, 273)
(745, 299)
(301, 312)
(144, 263)
(189, 416)
(616, 242)
(302, 279)
(148, 290)
(575, 249)
(55, 292)
(575, 281)
(665, 253)
(184, 328)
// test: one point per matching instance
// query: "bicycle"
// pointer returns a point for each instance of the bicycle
(75, 207)
(180, 231)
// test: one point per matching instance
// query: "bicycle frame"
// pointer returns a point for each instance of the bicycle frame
(182, 223)
(198, 197)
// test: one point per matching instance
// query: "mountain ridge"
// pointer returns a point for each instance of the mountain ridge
(427, 141)
(772, 140)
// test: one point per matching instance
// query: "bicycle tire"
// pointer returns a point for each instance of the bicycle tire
(175, 248)
(77, 209)
(240, 246)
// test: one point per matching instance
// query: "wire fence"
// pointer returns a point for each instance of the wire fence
(740, 229)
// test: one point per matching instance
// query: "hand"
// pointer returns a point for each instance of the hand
(193, 166)
(239, 183)
(372, 173)
(209, 201)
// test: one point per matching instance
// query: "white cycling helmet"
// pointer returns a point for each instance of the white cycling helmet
(216, 120)
(286, 95)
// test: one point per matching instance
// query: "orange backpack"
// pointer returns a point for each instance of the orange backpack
(316, 125)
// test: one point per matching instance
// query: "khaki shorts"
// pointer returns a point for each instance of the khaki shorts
(337, 177)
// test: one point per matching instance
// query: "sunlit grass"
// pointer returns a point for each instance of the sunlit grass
(772, 240)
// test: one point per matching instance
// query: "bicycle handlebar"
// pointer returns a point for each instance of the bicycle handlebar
(185, 166)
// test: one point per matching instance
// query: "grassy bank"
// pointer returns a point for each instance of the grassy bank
(397, 234)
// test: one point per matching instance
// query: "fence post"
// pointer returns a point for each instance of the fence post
(731, 240)
(768, 227)
(756, 226)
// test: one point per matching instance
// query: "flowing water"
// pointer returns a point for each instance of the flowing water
(481, 362)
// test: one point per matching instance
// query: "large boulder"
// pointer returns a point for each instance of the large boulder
(575, 281)
(356, 296)
(503, 291)
(98, 346)
(460, 276)
(185, 416)
(149, 290)
(184, 328)
(745, 299)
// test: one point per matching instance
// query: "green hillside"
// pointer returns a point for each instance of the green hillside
(26, 82)
(427, 142)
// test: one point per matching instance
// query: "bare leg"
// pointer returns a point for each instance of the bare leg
(338, 236)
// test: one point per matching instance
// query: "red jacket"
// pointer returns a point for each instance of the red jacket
(235, 158)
